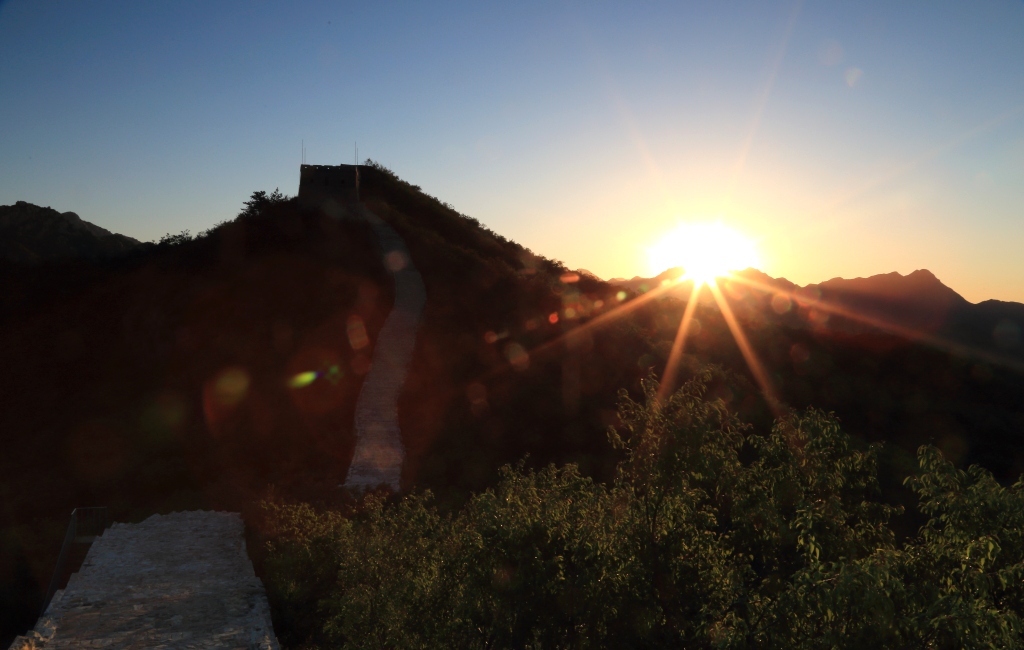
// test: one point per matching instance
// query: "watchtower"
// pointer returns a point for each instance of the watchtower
(318, 183)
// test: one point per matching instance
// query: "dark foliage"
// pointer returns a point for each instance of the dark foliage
(160, 381)
(692, 545)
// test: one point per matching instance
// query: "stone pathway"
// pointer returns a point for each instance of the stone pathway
(182, 580)
(379, 452)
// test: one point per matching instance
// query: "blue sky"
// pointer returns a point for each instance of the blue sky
(846, 139)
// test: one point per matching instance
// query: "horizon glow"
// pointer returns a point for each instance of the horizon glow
(847, 140)
(704, 250)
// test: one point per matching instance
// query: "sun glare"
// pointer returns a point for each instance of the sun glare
(705, 251)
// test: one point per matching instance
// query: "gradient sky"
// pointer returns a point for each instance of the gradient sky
(846, 139)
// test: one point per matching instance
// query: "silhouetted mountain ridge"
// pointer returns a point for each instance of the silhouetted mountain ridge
(643, 285)
(916, 303)
(30, 233)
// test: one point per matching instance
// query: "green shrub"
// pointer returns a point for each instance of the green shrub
(712, 535)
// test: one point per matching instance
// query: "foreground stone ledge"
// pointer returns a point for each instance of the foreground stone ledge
(182, 580)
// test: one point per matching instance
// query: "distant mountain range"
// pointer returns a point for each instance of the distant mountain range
(917, 304)
(30, 233)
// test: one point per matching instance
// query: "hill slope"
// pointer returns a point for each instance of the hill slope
(199, 372)
(159, 381)
(29, 233)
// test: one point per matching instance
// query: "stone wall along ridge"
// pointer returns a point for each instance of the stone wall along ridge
(379, 451)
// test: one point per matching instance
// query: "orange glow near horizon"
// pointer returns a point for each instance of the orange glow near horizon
(757, 369)
(705, 251)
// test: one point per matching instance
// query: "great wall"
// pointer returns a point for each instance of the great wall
(184, 580)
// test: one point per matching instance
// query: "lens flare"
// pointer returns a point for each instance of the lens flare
(356, 330)
(518, 356)
(302, 379)
(705, 251)
(231, 386)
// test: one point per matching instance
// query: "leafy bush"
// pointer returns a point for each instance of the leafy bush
(712, 535)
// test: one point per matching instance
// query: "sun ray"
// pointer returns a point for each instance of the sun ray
(756, 369)
(678, 345)
(925, 156)
(828, 219)
(625, 113)
(746, 349)
(918, 336)
(764, 96)
(709, 250)
(606, 317)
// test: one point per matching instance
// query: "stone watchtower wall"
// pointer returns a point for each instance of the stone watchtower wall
(320, 183)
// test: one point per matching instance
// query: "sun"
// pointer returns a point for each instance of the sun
(704, 250)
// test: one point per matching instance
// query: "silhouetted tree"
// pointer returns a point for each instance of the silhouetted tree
(259, 201)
